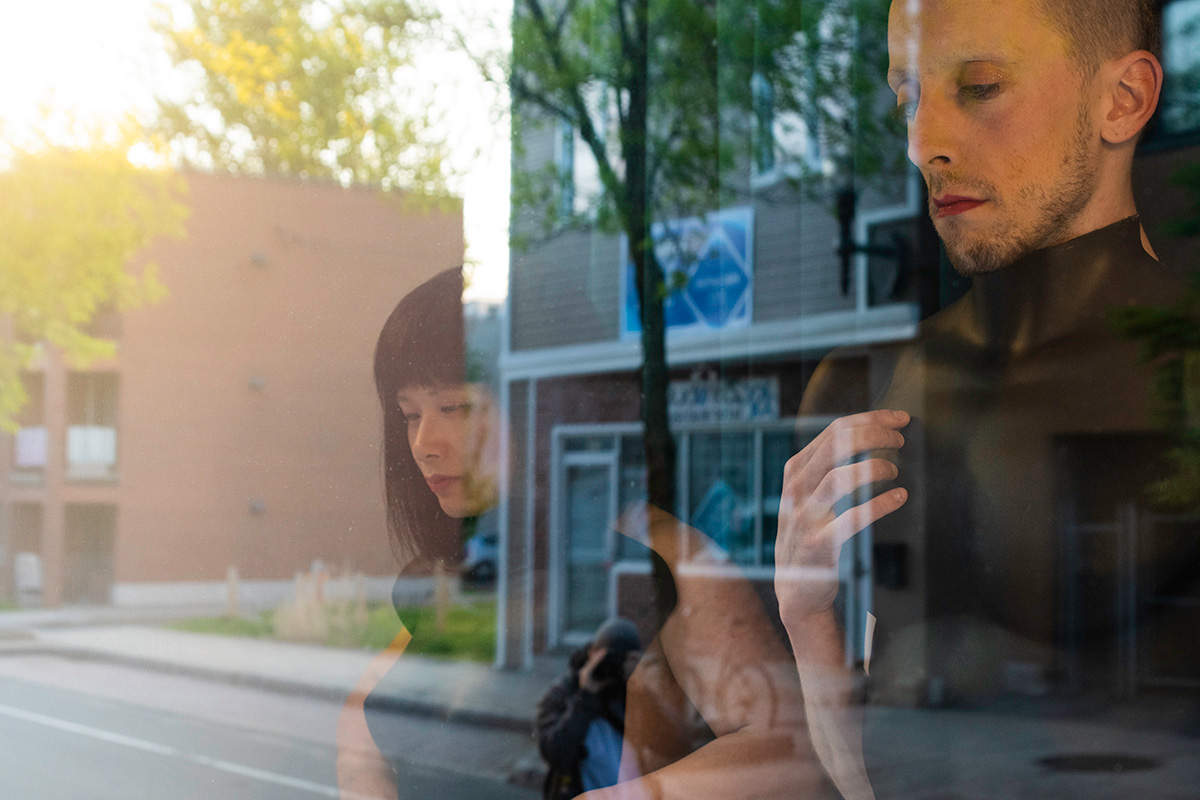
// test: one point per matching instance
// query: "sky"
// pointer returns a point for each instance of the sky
(98, 60)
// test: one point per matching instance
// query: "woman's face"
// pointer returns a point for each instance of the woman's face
(453, 432)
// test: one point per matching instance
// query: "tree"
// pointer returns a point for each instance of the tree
(664, 95)
(70, 221)
(839, 87)
(1170, 346)
(677, 102)
(305, 88)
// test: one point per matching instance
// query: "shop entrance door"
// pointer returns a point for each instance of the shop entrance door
(589, 510)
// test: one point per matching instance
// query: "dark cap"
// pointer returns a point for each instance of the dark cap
(618, 635)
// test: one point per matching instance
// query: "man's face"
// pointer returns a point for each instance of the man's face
(997, 124)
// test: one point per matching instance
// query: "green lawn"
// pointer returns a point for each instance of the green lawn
(227, 626)
(470, 633)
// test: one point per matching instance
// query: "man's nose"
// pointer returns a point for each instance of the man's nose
(934, 136)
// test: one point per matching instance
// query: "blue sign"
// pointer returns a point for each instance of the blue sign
(709, 267)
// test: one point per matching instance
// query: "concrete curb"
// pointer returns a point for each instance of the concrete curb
(31, 646)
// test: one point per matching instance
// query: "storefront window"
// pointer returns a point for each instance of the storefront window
(778, 447)
(384, 380)
(1181, 62)
(720, 487)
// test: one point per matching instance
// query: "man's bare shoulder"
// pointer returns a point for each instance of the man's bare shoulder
(843, 383)
(850, 380)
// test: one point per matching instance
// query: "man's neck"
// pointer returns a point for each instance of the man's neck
(1049, 292)
(1111, 201)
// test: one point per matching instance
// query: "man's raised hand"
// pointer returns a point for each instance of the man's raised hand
(811, 533)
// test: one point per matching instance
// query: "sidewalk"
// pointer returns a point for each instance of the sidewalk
(930, 754)
(454, 691)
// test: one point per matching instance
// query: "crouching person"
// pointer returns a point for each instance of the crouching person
(581, 718)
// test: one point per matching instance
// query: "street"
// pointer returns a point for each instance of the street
(74, 729)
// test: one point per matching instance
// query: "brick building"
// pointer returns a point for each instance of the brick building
(237, 424)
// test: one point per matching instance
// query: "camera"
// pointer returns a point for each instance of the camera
(611, 669)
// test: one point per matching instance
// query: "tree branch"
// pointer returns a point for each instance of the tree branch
(587, 130)
(563, 15)
(523, 92)
(623, 28)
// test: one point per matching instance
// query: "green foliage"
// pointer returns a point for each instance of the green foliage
(1170, 342)
(70, 221)
(470, 633)
(257, 626)
(839, 86)
(1188, 177)
(470, 630)
(582, 63)
(824, 62)
(305, 88)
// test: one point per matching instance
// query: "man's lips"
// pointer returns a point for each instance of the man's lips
(439, 483)
(951, 204)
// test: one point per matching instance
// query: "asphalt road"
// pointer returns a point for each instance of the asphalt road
(73, 730)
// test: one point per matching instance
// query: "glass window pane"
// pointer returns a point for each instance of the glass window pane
(589, 444)
(631, 488)
(1181, 63)
(720, 491)
(587, 529)
(778, 447)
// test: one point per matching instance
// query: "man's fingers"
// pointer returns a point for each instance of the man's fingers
(835, 451)
(853, 442)
(854, 520)
(842, 481)
(883, 418)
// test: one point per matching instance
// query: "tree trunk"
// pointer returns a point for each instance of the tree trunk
(648, 275)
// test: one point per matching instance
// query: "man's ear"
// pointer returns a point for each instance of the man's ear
(1130, 92)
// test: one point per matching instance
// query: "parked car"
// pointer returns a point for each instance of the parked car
(481, 560)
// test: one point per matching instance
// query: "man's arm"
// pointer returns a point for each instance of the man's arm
(811, 535)
(832, 702)
(563, 716)
(724, 654)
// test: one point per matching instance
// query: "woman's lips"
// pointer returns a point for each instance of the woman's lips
(952, 205)
(440, 483)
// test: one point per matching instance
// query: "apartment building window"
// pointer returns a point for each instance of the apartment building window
(578, 170)
(22, 578)
(782, 141)
(564, 157)
(91, 531)
(105, 323)
(1181, 63)
(91, 424)
(29, 442)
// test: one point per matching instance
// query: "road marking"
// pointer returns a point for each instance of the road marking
(165, 750)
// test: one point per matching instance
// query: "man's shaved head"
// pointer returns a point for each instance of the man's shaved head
(1096, 32)
(1022, 116)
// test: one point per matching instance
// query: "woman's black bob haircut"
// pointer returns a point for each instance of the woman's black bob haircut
(421, 345)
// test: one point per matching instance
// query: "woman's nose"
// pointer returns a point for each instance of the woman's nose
(428, 440)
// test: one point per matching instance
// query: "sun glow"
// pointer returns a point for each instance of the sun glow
(75, 64)
(75, 68)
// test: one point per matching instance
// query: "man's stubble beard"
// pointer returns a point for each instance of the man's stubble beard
(1058, 205)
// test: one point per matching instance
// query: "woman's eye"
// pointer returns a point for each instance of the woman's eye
(409, 419)
(981, 91)
(456, 408)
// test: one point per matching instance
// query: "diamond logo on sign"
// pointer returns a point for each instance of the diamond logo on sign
(719, 285)
(709, 264)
